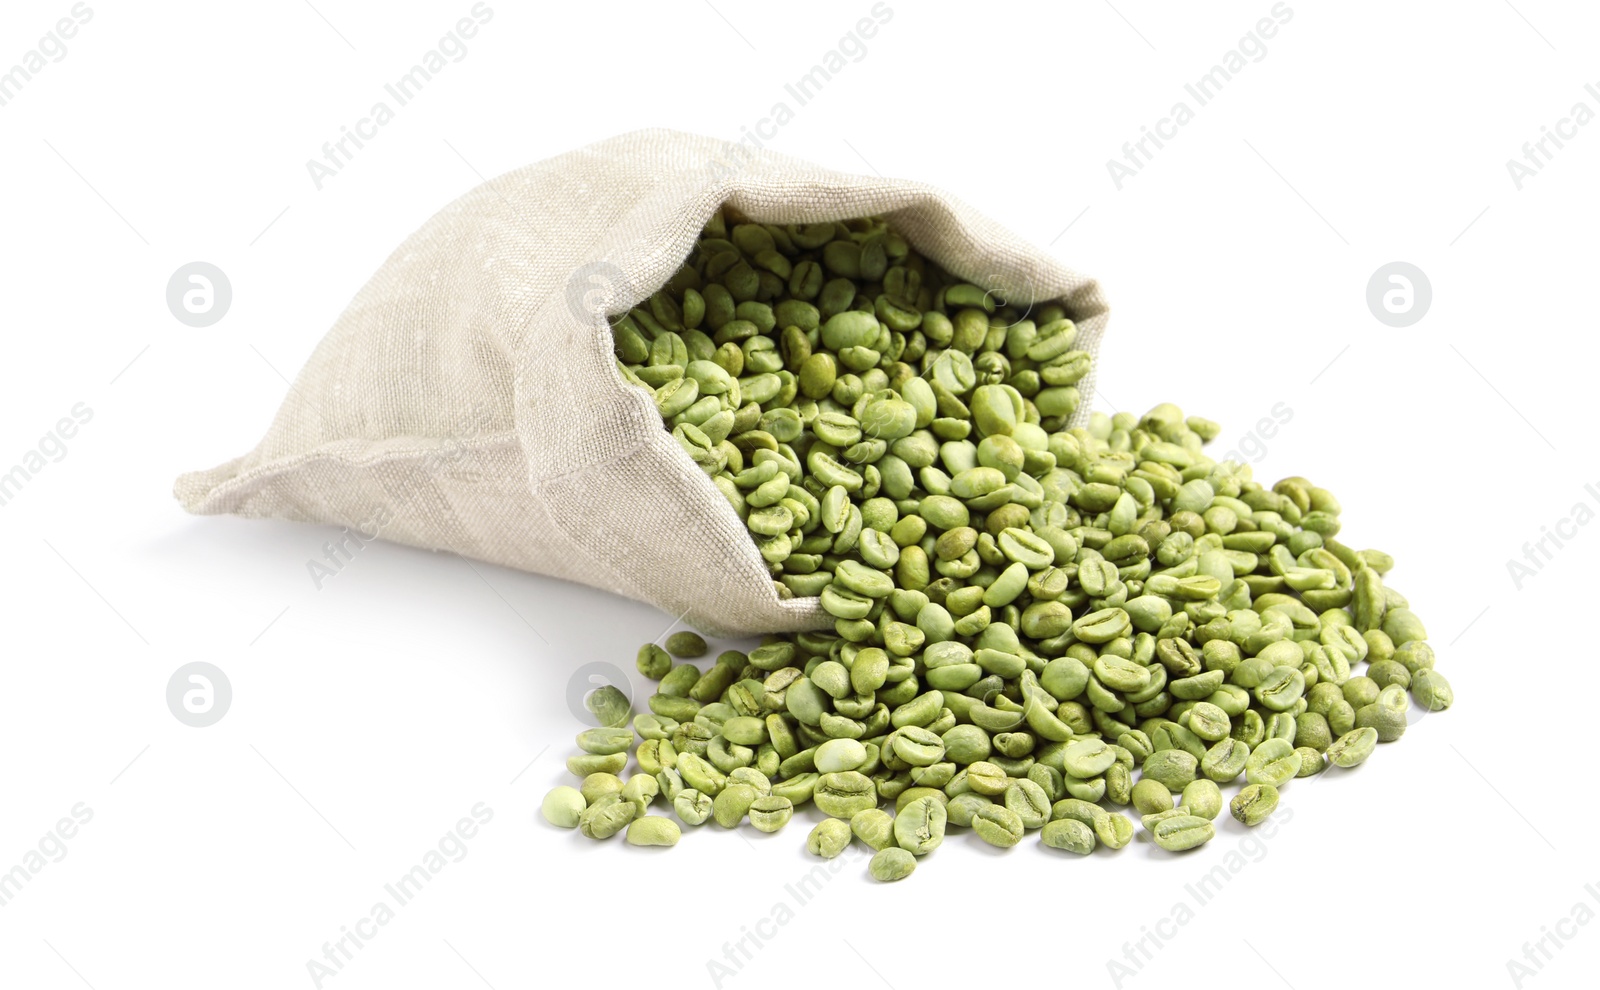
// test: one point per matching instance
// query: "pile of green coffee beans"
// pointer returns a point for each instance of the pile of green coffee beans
(1034, 626)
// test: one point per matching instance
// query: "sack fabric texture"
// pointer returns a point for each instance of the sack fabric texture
(468, 400)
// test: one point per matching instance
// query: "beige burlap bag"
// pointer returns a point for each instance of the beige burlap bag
(468, 399)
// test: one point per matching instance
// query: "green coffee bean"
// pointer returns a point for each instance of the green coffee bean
(1029, 802)
(985, 777)
(1311, 761)
(1274, 762)
(641, 789)
(837, 755)
(583, 766)
(606, 817)
(597, 785)
(1254, 803)
(751, 777)
(1203, 798)
(686, 645)
(964, 805)
(1174, 768)
(919, 826)
(1023, 610)
(1353, 748)
(1113, 831)
(799, 788)
(843, 794)
(828, 838)
(732, 804)
(605, 741)
(1076, 809)
(770, 812)
(670, 783)
(1390, 723)
(653, 662)
(652, 830)
(1066, 833)
(1431, 690)
(1182, 832)
(893, 863)
(563, 806)
(1225, 760)
(692, 806)
(1150, 796)
(997, 825)
(874, 827)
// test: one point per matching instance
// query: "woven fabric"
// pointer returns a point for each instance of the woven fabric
(468, 399)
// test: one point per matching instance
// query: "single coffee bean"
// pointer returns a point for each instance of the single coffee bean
(1353, 748)
(874, 827)
(919, 826)
(686, 645)
(652, 830)
(606, 817)
(1203, 798)
(828, 838)
(1182, 832)
(563, 806)
(770, 812)
(1254, 803)
(893, 863)
(844, 793)
(997, 825)
(1066, 833)
(1274, 762)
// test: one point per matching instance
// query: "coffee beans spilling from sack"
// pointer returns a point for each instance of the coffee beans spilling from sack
(1035, 626)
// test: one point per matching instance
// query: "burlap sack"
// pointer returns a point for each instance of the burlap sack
(468, 399)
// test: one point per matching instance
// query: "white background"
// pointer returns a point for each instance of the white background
(369, 716)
